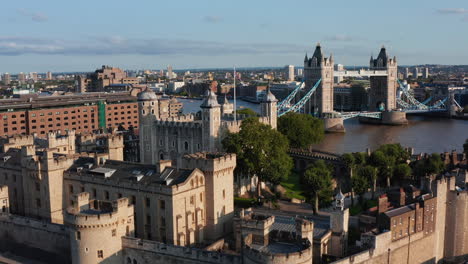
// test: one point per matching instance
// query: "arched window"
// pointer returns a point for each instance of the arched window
(186, 145)
(129, 260)
(161, 156)
(135, 261)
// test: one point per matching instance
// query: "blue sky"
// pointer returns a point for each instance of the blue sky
(60, 35)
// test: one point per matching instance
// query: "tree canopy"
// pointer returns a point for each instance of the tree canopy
(319, 179)
(432, 165)
(260, 150)
(247, 112)
(301, 130)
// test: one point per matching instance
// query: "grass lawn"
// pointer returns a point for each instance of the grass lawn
(294, 188)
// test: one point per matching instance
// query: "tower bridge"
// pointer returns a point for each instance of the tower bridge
(389, 99)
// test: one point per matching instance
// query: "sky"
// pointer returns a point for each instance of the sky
(66, 36)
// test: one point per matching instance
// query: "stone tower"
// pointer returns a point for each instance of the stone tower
(211, 115)
(339, 219)
(148, 113)
(315, 68)
(268, 108)
(382, 96)
(97, 228)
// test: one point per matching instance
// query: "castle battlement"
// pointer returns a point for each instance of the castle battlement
(194, 254)
(210, 161)
(96, 214)
(25, 222)
(178, 124)
(302, 256)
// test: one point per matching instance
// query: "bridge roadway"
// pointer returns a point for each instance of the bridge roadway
(359, 73)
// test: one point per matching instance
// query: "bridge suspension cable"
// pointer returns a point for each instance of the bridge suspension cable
(301, 103)
(287, 101)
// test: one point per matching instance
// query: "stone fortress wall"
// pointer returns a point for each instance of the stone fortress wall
(40, 240)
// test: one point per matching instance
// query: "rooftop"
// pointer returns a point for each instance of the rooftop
(122, 171)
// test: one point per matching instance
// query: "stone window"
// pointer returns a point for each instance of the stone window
(78, 235)
(100, 254)
(94, 193)
(38, 187)
(114, 232)
(224, 194)
(162, 204)
(201, 197)
(70, 188)
(191, 200)
(38, 203)
(148, 202)
(106, 194)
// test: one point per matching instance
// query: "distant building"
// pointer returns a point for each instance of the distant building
(339, 67)
(290, 71)
(169, 72)
(415, 73)
(406, 73)
(49, 76)
(175, 87)
(102, 78)
(425, 73)
(21, 77)
(6, 78)
(33, 76)
(80, 112)
(300, 72)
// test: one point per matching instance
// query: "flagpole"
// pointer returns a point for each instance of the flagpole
(235, 105)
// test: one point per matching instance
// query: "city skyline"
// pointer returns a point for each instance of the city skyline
(39, 37)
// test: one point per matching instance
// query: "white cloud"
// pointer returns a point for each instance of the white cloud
(116, 45)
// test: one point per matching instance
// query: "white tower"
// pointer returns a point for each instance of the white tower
(268, 108)
(211, 115)
(148, 113)
(339, 220)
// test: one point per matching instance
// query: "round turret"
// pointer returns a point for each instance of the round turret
(147, 95)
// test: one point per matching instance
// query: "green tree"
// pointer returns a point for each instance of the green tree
(260, 151)
(431, 165)
(384, 163)
(348, 160)
(360, 185)
(246, 111)
(402, 172)
(301, 130)
(360, 158)
(370, 174)
(319, 179)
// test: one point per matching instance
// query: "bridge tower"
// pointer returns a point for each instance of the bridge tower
(315, 68)
(382, 96)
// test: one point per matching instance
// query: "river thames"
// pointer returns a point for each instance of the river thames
(424, 134)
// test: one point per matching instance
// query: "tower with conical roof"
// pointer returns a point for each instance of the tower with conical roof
(268, 108)
(315, 68)
(148, 108)
(383, 89)
(211, 117)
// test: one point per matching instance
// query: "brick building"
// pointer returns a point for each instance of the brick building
(79, 112)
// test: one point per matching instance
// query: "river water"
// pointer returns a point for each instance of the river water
(424, 134)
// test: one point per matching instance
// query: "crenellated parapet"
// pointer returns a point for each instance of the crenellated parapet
(16, 141)
(207, 161)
